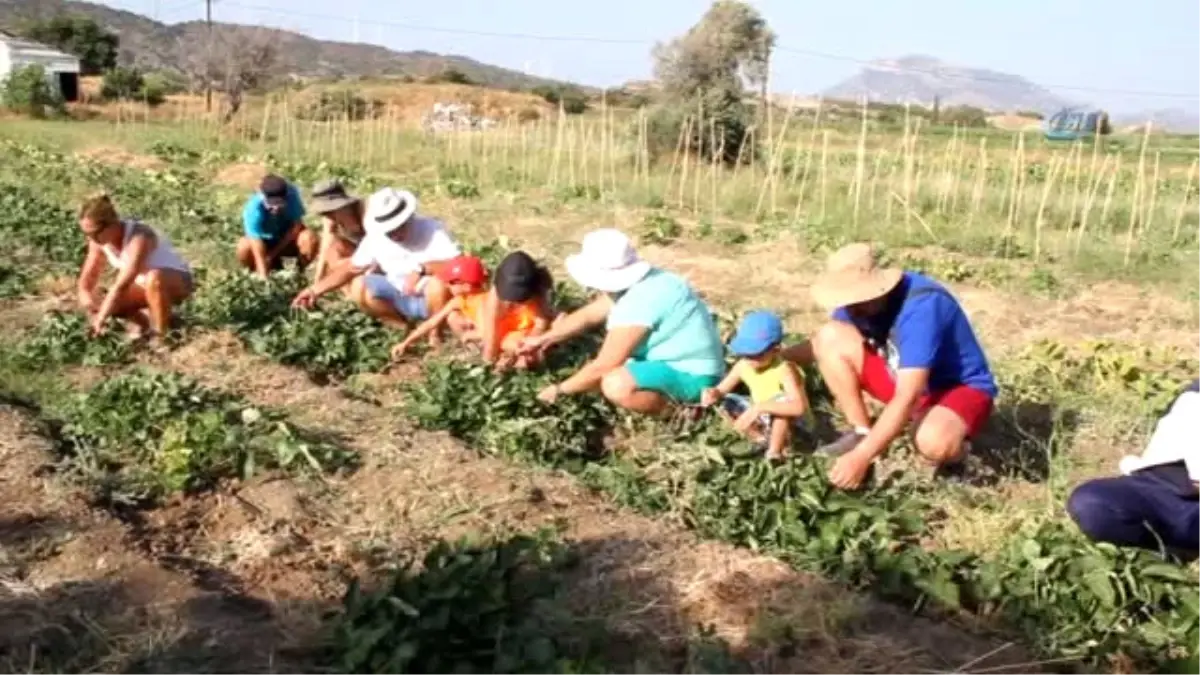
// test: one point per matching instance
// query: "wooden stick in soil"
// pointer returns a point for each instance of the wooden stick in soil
(679, 144)
(776, 152)
(980, 176)
(860, 163)
(1183, 201)
(1148, 218)
(1055, 164)
(683, 157)
(699, 157)
(824, 171)
(1108, 197)
(558, 149)
(1091, 200)
(1139, 190)
(808, 158)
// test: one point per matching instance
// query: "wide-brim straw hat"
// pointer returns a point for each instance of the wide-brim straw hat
(329, 196)
(853, 276)
(607, 261)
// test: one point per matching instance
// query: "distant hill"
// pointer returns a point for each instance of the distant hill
(1177, 120)
(153, 45)
(921, 79)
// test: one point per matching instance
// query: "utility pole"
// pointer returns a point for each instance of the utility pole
(208, 57)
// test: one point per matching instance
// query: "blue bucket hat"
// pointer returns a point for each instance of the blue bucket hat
(758, 332)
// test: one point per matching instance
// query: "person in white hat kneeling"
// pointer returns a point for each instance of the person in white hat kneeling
(905, 340)
(394, 268)
(661, 342)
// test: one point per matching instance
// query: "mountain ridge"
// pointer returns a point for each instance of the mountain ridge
(156, 45)
(918, 78)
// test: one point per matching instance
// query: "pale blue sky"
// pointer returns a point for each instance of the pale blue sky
(1102, 45)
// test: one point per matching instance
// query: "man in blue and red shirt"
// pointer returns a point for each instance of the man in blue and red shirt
(904, 339)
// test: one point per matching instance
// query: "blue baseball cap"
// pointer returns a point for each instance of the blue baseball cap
(758, 332)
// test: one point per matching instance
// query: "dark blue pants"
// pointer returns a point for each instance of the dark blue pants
(1139, 510)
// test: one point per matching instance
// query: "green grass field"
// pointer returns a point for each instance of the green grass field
(273, 463)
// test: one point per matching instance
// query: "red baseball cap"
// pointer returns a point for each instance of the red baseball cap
(465, 269)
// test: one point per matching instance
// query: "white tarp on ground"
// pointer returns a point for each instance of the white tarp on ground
(454, 117)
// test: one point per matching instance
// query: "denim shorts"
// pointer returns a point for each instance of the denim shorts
(736, 404)
(413, 307)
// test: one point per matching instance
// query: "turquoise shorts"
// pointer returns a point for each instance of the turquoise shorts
(681, 386)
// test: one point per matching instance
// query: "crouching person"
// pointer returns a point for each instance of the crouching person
(1153, 504)
(151, 277)
(394, 270)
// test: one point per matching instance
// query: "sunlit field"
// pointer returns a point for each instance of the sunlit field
(207, 506)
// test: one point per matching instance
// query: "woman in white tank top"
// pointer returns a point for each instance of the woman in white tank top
(151, 277)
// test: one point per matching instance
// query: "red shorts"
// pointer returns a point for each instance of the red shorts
(971, 405)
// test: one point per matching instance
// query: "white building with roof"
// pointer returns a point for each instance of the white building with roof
(62, 69)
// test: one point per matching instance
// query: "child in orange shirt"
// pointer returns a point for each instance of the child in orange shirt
(470, 308)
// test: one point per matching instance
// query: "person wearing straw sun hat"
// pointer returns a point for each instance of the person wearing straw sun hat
(661, 342)
(905, 340)
(394, 267)
(343, 215)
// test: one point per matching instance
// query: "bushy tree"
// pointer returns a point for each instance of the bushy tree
(128, 84)
(574, 101)
(27, 90)
(78, 35)
(704, 75)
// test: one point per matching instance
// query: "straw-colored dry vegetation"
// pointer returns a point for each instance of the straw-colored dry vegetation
(207, 507)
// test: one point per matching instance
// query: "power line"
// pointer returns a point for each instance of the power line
(780, 48)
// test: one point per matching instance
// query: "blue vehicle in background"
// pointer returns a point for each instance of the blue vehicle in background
(1072, 124)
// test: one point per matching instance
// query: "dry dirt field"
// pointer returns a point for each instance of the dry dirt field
(196, 536)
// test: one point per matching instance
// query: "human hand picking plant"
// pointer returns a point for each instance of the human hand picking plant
(549, 394)
(849, 470)
(710, 396)
(305, 299)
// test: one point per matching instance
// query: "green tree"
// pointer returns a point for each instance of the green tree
(704, 75)
(27, 90)
(78, 35)
(129, 84)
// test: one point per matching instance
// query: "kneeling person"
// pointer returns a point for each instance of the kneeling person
(777, 403)
(394, 268)
(273, 221)
(151, 277)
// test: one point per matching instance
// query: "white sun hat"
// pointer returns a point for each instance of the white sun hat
(388, 209)
(607, 261)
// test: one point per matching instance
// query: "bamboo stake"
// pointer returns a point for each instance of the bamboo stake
(1041, 212)
(1183, 201)
(1139, 190)
(860, 163)
(1092, 198)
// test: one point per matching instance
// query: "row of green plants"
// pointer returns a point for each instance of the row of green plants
(463, 607)
(1068, 596)
(139, 436)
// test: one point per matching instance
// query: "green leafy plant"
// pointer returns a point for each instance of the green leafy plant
(466, 608)
(61, 339)
(27, 90)
(659, 229)
(145, 434)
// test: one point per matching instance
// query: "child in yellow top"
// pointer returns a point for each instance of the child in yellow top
(469, 309)
(777, 401)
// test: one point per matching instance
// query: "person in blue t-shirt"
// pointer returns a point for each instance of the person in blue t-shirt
(904, 339)
(273, 223)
